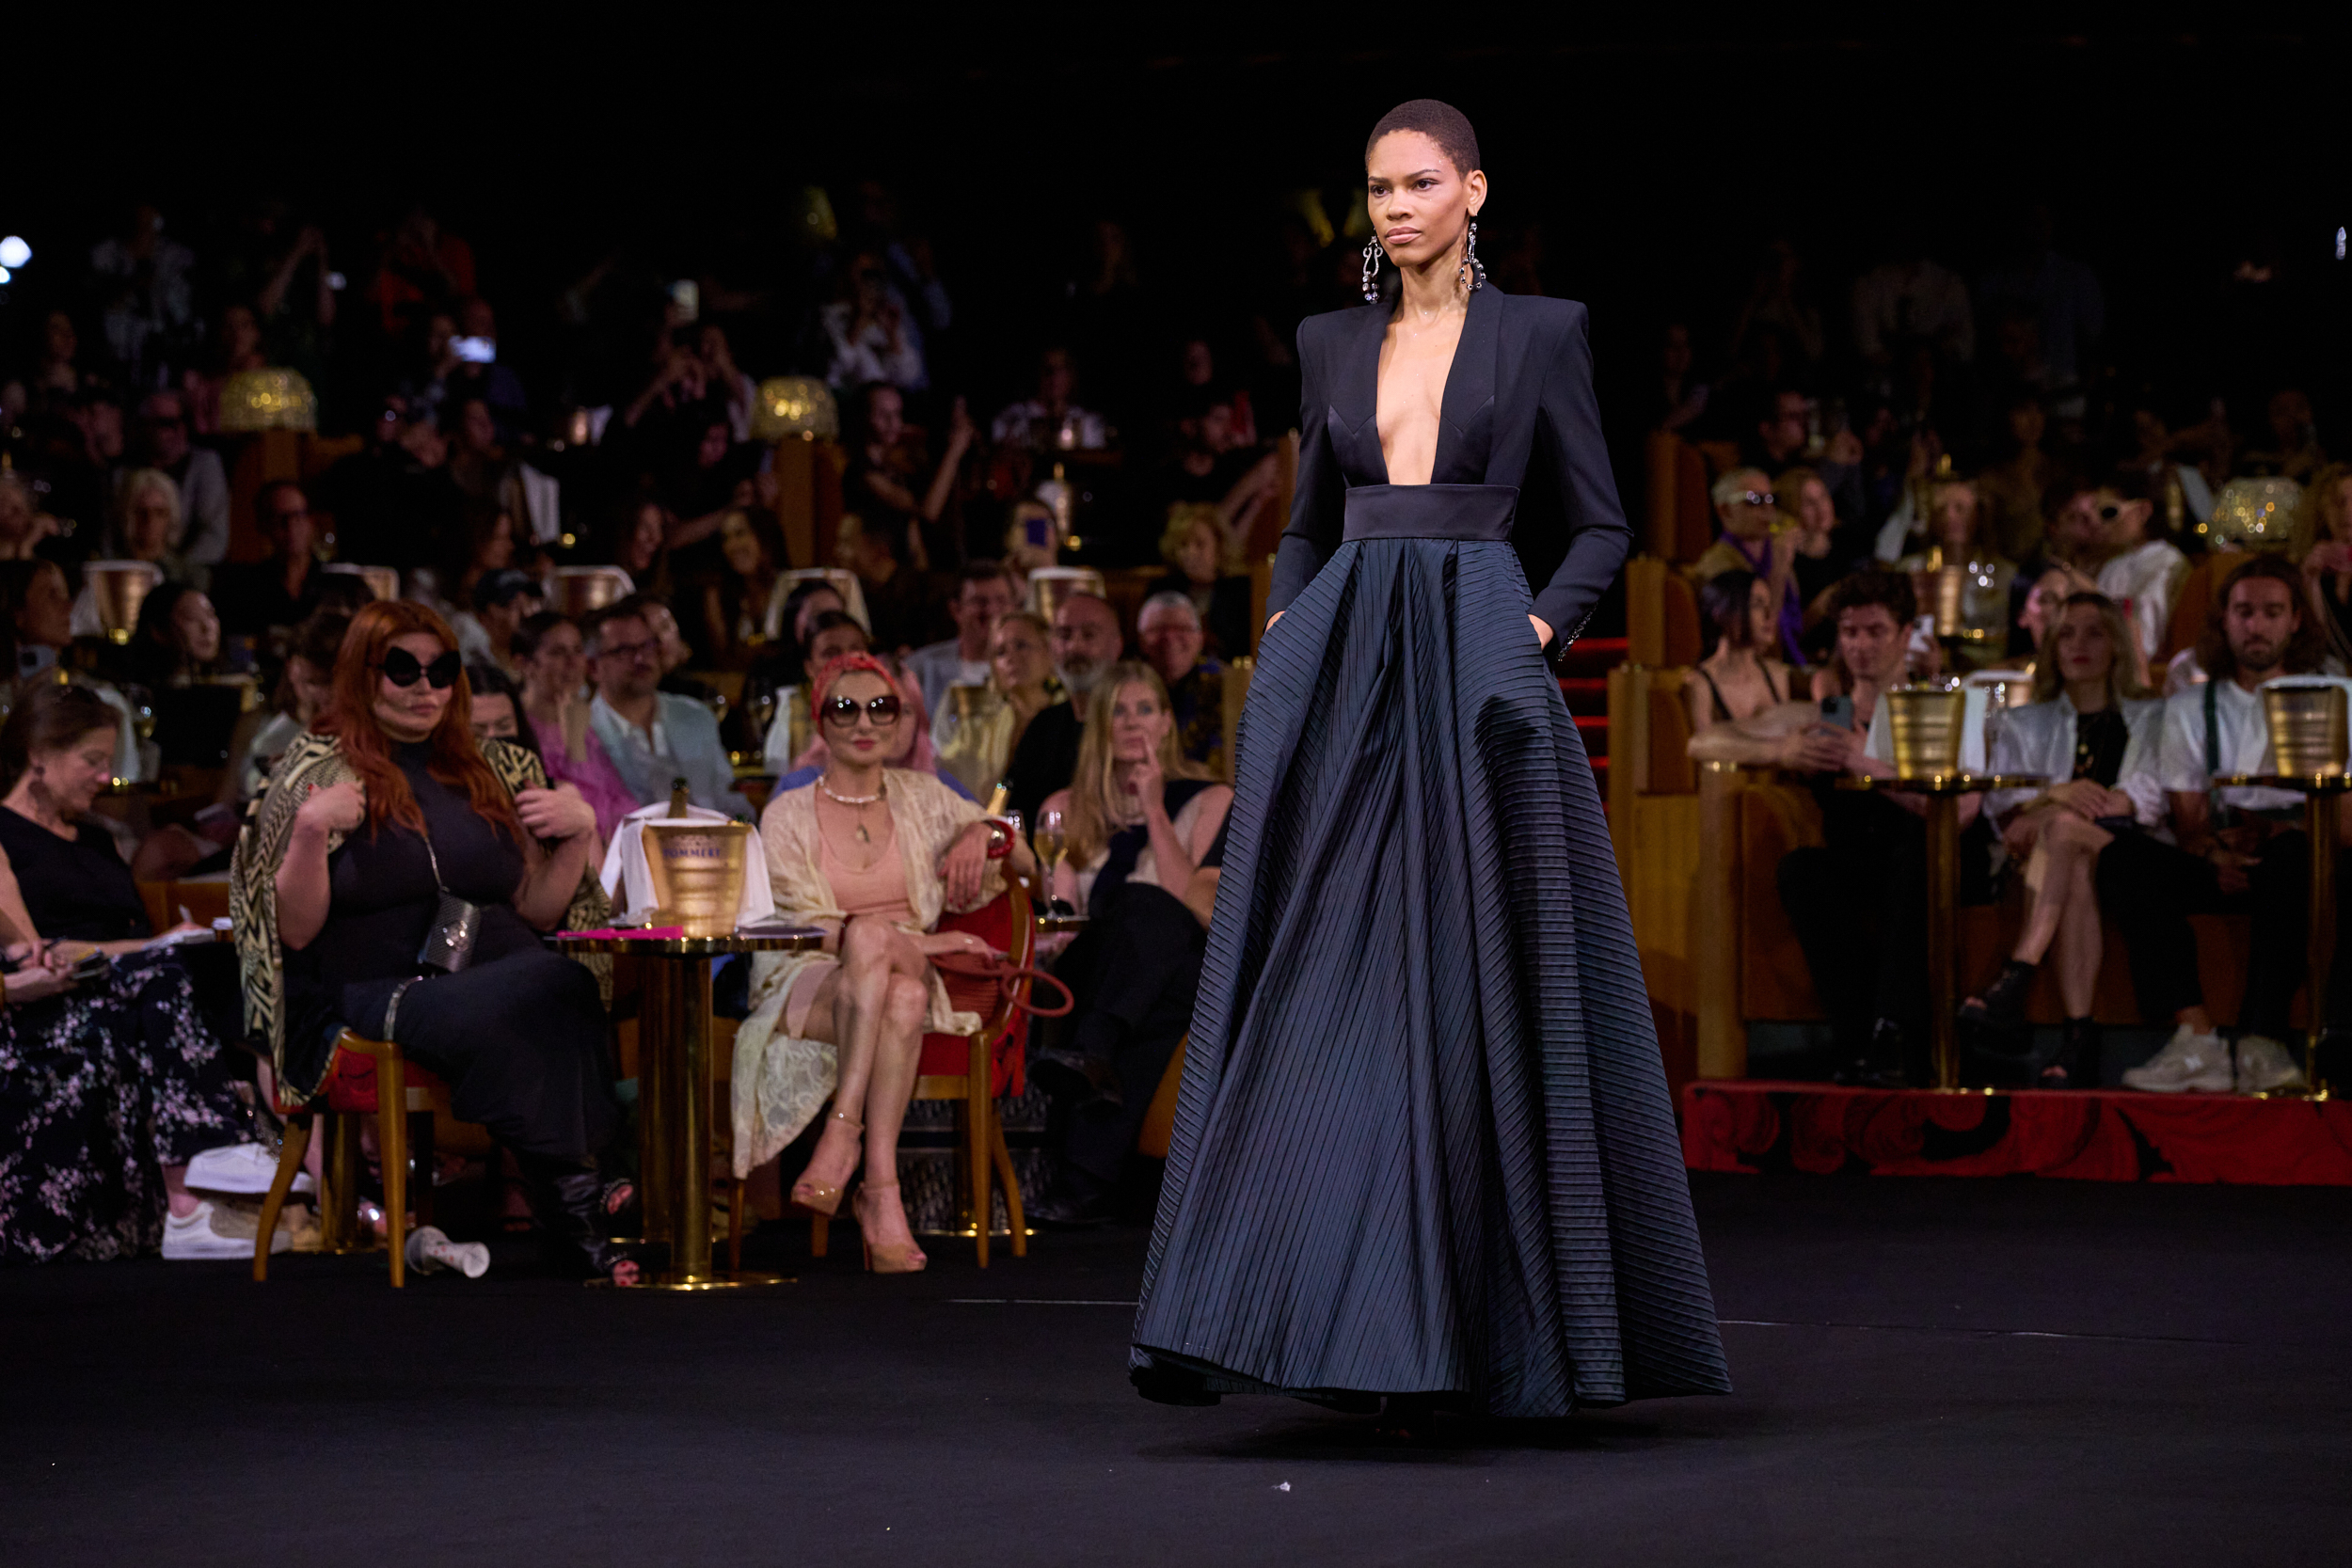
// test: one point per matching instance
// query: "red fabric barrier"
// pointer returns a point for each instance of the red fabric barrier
(2098, 1136)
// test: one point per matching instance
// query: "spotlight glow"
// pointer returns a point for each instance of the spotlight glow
(14, 252)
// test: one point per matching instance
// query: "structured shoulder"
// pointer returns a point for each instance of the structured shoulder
(1332, 325)
(1540, 314)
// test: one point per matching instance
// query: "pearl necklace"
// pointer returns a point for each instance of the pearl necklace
(859, 801)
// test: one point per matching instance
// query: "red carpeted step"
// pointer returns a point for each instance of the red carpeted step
(1593, 656)
(1586, 694)
(1594, 731)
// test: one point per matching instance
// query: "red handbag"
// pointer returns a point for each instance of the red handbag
(982, 983)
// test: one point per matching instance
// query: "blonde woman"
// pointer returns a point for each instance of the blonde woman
(2322, 546)
(2091, 731)
(976, 743)
(1136, 811)
(872, 854)
(146, 519)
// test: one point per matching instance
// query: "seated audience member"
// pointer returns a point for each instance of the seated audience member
(111, 1085)
(737, 609)
(653, 736)
(554, 667)
(1213, 470)
(985, 595)
(1855, 899)
(501, 602)
(1959, 555)
(641, 545)
(147, 515)
(1050, 421)
(2089, 732)
(838, 637)
(303, 690)
(39, 612)
(1138, 817)
(332, 918)
(1753, 541)
(2322, 546)
(887, 487)
(22, 523)
(978, 731)
(2012, 488)
(831, 633)
(2037, 612)
(1741, 677)
(1087, 642)
(873, 854)
(258, 598)
(498, 712)
(1168, 629)
(174, 653)
(2141, 575)
(2236, 849)
(199, 534)
(1199, 547)
(901, 609)
(1824, 552)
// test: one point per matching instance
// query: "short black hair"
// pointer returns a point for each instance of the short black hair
(1891, 591)
(1441, 123)
(525, 642)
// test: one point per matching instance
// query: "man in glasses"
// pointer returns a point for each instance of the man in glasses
(203, 483)
(2142, 574)
(281, 591)
(1750, 514)
(653, 736)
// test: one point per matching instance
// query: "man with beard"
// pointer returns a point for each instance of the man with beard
(2238, 848)
(1085, 642)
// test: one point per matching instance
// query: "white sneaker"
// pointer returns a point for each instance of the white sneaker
(245, 1169)
(2265, 1065)
(219, 1229)
(2189, 1061)
(430, 1251)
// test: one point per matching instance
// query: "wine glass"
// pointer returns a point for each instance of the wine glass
(1051, 841)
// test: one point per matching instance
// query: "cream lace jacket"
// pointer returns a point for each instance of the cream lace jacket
(781, 1080)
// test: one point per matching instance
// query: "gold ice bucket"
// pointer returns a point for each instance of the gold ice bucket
(698, 870)
(581, 590)
(2307, 731)
(1925, 722)
(382, 581)
(120, 587)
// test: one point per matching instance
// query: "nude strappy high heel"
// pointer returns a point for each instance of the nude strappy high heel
(889, 1256)
(815, 1197)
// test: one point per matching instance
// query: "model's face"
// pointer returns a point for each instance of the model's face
(1196, 556)
(2259, 621)
(1138, 722)
(1870, 641)
(197, 627)
(412, 712)
(1172, 640)
(494, 717)
(2085, 652)
(1421, 205)
(72, 775)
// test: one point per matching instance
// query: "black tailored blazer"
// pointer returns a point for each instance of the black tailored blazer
(1519, 410)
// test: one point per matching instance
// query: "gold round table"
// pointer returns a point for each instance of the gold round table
(673, 1108)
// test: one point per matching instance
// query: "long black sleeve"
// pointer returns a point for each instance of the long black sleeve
(1598, 538)
(1318, 501)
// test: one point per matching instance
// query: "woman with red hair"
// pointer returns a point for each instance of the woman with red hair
(871, 852)
(374, 830)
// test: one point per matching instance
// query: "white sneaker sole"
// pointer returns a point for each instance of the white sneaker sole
(2205, 1082)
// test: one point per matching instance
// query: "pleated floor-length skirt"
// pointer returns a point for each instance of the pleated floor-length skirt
(1424, 1145)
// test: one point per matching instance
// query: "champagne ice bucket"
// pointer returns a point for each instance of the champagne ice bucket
(2307, 731)
(382, 581)
(1925, 722)
(120, 588)
(698, 869)
(581, 590)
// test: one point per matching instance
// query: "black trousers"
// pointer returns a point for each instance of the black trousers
(1134, 974)
(2148, 889)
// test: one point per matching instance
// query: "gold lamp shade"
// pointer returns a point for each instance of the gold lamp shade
(581, 589)
(1051, 586)
(272, 399)
(1926, 725)
(120, 587)
(2254, 513)
(698, 869)
(792, 405)
(2307, 731)
(382, 581)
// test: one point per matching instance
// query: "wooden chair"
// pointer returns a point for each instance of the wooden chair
(367, 1076)
(974, 1070)
(1235, 693)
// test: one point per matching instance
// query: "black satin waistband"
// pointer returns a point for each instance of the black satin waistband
(1466, 512)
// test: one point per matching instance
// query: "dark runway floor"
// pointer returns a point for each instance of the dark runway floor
(1928, 1373)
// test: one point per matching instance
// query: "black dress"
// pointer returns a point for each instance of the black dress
(1424, 1145)
(105, 1085)
(519, 1033)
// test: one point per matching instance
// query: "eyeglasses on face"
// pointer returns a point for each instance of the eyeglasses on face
(1759, 497)
(647, 650)
(402, 670)
(844, 710)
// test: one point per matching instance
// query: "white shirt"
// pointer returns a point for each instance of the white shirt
(2242, 742)
(2143, 582)
(939, 665)
(2038, 741)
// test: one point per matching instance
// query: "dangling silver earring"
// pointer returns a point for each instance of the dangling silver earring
(1371, 271)
(1472, 274)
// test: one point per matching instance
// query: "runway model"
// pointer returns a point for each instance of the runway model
(1424, 1148)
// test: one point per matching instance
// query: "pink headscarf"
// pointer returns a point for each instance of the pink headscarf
(918, 755)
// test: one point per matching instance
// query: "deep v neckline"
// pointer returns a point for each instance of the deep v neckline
(1469, 386)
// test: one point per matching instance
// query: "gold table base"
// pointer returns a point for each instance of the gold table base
(2319, 792)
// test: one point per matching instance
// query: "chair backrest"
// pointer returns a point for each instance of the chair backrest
(1662, 614)
(2193, 608)
(1006, 925)
(1237, 692)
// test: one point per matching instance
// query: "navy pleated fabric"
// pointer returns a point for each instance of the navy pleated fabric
(1424, 1144)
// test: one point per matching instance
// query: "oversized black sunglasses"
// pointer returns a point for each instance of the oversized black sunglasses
(844, 710)
(401, 668)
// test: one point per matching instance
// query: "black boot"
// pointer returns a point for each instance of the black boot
(2077, 1065)
(572, 1200)
(2001, 1006)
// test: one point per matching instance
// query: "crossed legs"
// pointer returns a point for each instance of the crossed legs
(2064, 911)
(871, 1008)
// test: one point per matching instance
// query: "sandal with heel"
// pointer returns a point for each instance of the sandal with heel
(887, 1257)
(816, 1198)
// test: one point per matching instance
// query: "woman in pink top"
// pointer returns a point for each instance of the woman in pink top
(554, 665)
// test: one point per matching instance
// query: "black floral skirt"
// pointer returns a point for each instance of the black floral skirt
(99, 1089)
